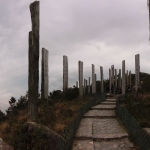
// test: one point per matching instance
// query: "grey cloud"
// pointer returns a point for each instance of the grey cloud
(96, 32)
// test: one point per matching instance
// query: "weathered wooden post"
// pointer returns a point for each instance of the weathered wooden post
(119, 79)
(80, 67)
(95, 82)
(130, 79)
(93, 79)
(123, 77)
(77, 84)
(127, 79)
(89, 86)
(84, 87)
(33, 80)
(30, 55)
(44, 74)
(65, 73)
(137, 71)
(102, 79)
(115, 78)
(112, 71)
(110, 81)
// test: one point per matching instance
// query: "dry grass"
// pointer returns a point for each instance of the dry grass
(23, 119)
(65, 112)
(56, 117)
(4, 128)
(139, 107)
(59, 128)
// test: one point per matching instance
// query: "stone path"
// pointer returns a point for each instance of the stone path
(101, 130)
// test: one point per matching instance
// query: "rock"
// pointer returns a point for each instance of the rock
(5, 146)
(147, 130)
(52, 138)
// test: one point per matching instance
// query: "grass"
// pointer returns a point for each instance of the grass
(55, 116)
(139, 107)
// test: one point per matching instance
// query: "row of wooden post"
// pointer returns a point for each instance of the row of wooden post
(33, 78)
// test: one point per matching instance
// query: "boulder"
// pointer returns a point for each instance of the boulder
(5, 146)
(50, 138)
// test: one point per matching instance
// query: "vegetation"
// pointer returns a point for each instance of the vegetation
(138, 104)
(56, 113)
(61, 108)
(139, 107)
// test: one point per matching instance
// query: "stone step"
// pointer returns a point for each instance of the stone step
(102, 137)
(100, 129)
(100, 117)
(118, 144)
(104, 107)
(111, 100)
(111, 96)
(107, 103)
(100, 114)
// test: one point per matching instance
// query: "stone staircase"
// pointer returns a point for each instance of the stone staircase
(101, 130)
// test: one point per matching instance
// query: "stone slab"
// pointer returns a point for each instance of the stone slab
(85, 128)
(100, 113)
(111, 99)
(109, 136)
(104, 107)
(108, 103)
(123, 144)
(83, 145)
(107, 126)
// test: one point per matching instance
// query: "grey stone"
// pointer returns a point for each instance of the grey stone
(101, 133)
(147, 130)
(51, 137)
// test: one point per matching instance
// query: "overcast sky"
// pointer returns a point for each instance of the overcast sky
(99, 32)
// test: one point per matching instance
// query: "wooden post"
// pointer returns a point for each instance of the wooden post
(34, 61)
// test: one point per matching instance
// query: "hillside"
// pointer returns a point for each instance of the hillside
(61, 109)
(56, 114)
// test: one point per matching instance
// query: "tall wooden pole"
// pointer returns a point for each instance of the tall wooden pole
(34, 62)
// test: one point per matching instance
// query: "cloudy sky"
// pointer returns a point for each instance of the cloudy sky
(100, 32)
